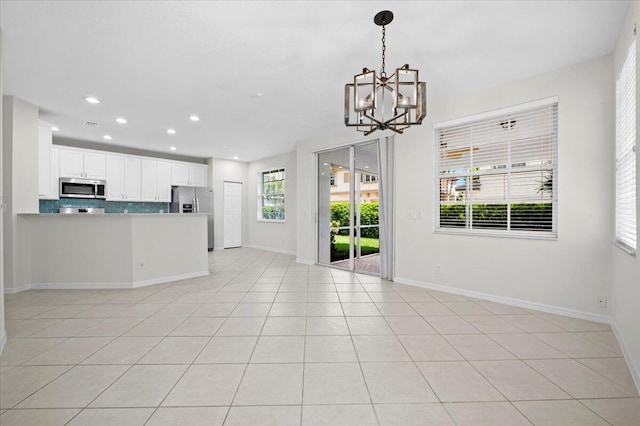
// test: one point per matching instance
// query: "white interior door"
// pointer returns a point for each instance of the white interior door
(232, 214)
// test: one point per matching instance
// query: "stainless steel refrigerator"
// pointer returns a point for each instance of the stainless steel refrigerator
(194, 199)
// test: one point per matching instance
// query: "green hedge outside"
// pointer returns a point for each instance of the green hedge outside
(368, 216)
(524, 216)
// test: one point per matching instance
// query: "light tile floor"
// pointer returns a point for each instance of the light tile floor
(266, 341)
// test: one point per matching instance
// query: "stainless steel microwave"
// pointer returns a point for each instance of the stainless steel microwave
(82, 188)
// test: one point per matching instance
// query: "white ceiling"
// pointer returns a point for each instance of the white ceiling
(155, 63)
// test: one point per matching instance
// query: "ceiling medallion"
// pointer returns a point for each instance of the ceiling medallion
(395, 102)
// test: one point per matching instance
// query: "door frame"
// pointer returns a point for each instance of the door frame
(351, 146)
(224, 204)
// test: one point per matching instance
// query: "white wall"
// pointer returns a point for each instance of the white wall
(180, 251)
(110, 251)
(569, 273)
(221, 171)
(626, 268)
(3, 333)
(20, 175)
(275, 236)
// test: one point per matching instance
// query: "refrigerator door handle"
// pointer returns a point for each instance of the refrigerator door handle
(197, 205)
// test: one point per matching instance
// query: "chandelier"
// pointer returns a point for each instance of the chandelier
(380, 102)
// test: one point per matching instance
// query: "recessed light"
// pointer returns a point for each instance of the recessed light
(325, 164)
(172, 148)
(107, 137)
(194, 118)
(366, 167)
(55, 129)
(121, 120)
(171, 131)
(236, 157)
(92, 100)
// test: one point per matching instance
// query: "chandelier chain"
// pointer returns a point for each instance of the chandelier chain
(383, 73)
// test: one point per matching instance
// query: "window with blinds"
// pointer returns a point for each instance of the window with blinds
(271, 192)
(497, 173)
(626, 151)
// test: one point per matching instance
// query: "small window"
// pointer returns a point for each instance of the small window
(497, 173)
(626, 233)
(347, 177)
(369, 178)
(271, 195)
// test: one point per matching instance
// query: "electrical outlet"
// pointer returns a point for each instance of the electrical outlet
(602, 301)
(438, 268)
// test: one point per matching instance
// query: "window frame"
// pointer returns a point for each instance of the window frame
(621, 158)
(262, 195)
(489, 232)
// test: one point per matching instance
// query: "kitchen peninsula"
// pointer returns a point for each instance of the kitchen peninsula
(82, 251)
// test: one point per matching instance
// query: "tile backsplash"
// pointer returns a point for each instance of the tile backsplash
(52, 206)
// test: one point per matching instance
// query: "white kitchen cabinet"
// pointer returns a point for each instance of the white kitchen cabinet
(123, 178)
(79, 164)
(53, 170)
(132, 179)
(47, 168)
(179, 174)
(115, 178)
(71, 164)
(197, 175)
(185, 174)
(156, 181)
(128, 177)
(95, 165)
(164, 181)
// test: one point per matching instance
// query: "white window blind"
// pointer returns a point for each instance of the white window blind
(626, 151)
(498, 174)
(271, 194)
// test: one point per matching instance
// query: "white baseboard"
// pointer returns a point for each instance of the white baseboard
(305, 261)
(113, 285)
(3, 340)
(293, 253)
(80, 286)
(163, 280)
(575, 313)
(633, 369)
(14, 290)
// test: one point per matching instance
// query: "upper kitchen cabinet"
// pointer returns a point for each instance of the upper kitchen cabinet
(164, 181)
(179, 174)
(115, 178)
(185, 174)
(132, 178)
(79, 164)
(123, 178)
(156, 181)
(198, 175)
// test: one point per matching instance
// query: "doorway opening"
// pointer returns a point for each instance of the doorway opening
(349, 206)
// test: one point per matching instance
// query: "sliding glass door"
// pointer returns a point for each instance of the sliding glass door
(348, 208)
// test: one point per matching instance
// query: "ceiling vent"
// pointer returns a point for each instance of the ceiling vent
(90, 124)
